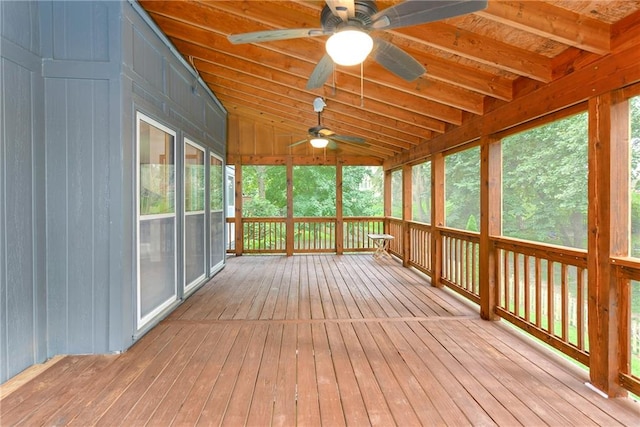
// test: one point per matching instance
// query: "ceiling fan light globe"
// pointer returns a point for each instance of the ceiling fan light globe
(319, 142)
(349, 47)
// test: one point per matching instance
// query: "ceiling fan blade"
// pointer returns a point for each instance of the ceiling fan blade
(349, 139)
(321, 73)
(325, 132)
(397, 61)
(344, 9)
(298, 143)
(273, 35)
(332, 145)
(415, 12)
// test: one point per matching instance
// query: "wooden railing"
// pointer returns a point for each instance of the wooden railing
(314, 235)
(543, 290)
(420, 250)
(264, 235)
(395, 227)
(460, 262)
(627, 274)
(356, 232)
(310, 234)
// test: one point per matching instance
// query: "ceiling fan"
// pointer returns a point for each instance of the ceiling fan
(349, 23)
(321, 136)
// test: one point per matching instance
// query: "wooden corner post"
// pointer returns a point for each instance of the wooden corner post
(407, 207)
(490, 222)
(437, 217)
(608, 191)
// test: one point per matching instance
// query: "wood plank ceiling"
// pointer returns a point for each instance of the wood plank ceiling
(474, 63)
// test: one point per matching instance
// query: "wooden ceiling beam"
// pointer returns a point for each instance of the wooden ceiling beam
(337, 119)
(252, 73)
(284, 131)
(552, 22)
(449, 97)
(482, 49)
(304, 120)
(469, 45)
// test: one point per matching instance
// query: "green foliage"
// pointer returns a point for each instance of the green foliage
(472, 224)
(362, 191)
(396, 193)
(314, 191)
(264, 191)
(462, 187)
(421, 188)
(545, 183)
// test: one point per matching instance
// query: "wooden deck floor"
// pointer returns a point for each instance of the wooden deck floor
(318, 340)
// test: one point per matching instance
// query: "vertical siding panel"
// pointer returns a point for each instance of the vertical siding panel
(57, 225)
(18, 220)
(80, 249)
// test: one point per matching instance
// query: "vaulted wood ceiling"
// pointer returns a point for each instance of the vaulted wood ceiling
(475, 63)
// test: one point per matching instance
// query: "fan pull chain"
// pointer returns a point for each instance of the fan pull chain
(362, 84)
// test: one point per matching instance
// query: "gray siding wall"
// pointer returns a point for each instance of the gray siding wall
(22, 191)
(73, 74)
(81, 67)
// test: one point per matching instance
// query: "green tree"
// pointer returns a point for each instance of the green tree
(545, 183)
(462, 187)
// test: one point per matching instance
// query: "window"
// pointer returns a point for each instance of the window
(462, 190)
(156, 236)
(544, 173)
(194, 215)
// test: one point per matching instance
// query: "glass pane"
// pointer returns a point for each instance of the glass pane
(157, 180)
(421, 192)
(193, 178)
(264, 191)
(194, 224)
(634, 187)
(362, 190)
(217, 218)
(545, 183)
(396, 194)
(462, 190)
(216, 196)
(194, 256)
(217, 238)
(157, 263)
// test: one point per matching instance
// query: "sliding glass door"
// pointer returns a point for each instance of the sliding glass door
(156, 219)
(194, 214)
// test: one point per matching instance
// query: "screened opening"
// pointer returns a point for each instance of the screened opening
(462, 189)
(545, 183)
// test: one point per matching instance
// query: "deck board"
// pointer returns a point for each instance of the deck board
(318, 340)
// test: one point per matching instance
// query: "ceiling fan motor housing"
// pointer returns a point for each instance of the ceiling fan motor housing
(364, 10)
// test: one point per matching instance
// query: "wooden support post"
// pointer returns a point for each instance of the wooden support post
(289, 221)
(339, 211)
(437, 217)
(387, 199)
(604, 211)
(407, 206)
(490, 222)
(239, 232)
